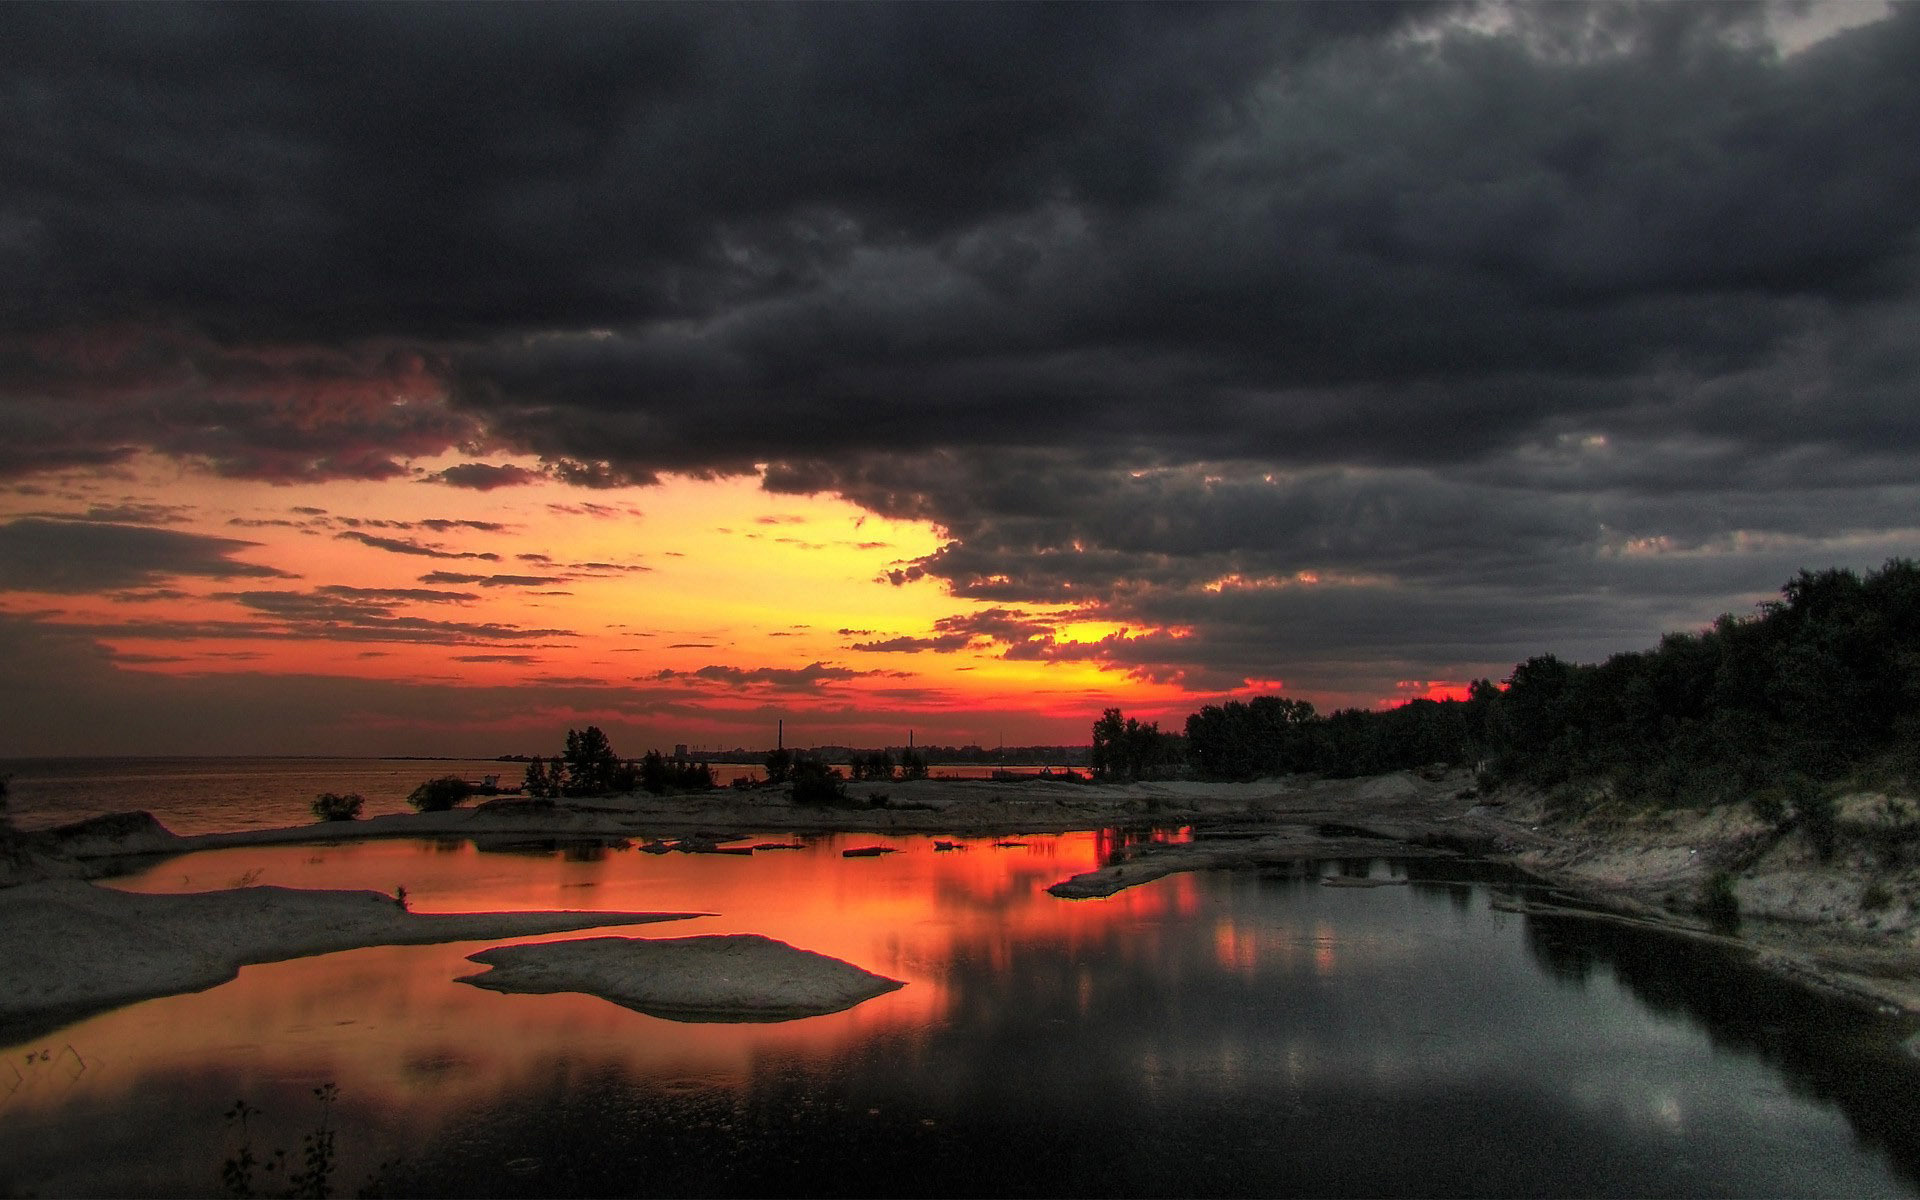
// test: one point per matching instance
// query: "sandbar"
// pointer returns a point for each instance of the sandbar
(73, 949)
(722, 977)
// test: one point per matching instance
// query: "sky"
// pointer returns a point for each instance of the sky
(431, 379)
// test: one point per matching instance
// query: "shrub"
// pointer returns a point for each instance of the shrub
(333, 806)
(1875, 897)
(1770, 806)
(1819, 816)
(815, 782)
(1718, 903)
(439, 795)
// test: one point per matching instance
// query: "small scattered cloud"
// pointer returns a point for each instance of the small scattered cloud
(485, 477)
(491, 581)
(810, 677)
(418, 549)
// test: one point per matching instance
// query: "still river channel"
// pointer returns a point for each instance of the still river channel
(1237, 1033)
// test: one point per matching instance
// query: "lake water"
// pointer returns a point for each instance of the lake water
(214, 795)
(1231, 1033)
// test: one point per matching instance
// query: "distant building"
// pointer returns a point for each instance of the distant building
(680, 750)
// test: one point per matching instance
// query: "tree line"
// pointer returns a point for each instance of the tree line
(589, 767)
(1822, 683)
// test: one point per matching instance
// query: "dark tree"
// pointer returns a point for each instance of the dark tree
(913, 764)
(538, 783)
(590, 762)
(653, 772)
(816, 783)
(779, 765)
(1108, 756)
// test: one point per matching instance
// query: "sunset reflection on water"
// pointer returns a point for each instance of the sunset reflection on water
(1232, 1032)
(391, 1022)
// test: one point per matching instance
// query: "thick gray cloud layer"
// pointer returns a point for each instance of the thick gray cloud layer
(1547, 326)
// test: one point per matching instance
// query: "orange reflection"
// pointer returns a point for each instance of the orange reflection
(392, 1021)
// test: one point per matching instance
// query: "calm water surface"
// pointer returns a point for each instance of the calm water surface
(1239, 1033)
(215, 795)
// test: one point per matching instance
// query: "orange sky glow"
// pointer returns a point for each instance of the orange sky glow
(697, 611)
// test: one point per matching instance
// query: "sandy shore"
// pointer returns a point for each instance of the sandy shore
(1850, 926)
(73, 949)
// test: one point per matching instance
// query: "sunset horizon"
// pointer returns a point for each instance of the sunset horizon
(672, 382)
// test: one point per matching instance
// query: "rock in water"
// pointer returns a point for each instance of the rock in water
(734, 977)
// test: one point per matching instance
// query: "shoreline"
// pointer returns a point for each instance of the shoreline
(1803, 919)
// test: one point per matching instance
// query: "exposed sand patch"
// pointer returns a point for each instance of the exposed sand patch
(72, 949)
(734, 977)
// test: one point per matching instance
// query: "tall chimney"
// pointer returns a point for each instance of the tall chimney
(780, 736)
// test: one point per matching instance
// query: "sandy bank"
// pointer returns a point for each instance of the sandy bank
(735, 977)
(1849, 926)
(72, 949)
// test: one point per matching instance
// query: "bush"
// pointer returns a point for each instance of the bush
(1770, 805)
(1819, 816)
(1718, 903)
(439, 795)
(815, 782)
(333, 806)
(1875, 897)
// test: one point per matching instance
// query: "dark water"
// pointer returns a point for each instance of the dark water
(214, 795)
(1228, 1033)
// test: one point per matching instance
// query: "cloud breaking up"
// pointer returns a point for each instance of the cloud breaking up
(1075, 356)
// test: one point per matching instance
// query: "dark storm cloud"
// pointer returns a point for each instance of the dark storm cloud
(1534, 321)
(73, 557)
(91, 394)
(484, 477)
(1405, 251)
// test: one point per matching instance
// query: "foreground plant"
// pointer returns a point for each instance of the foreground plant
(311, 1175)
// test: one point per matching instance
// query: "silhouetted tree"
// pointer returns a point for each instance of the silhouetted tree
(779, 765)
(1123, 748)
(814, 782)
(913, 764)
(538, 783)
(590, 762)
(653, 772)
